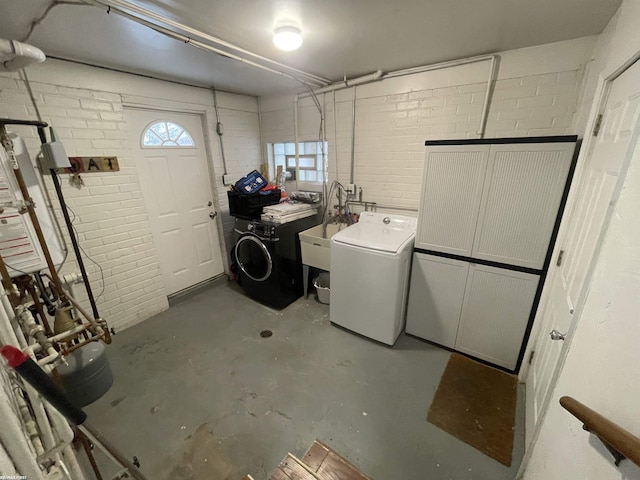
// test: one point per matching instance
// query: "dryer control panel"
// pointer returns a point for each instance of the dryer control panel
(262, 230)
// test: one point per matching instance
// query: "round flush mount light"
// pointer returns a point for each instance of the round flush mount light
(287, 38)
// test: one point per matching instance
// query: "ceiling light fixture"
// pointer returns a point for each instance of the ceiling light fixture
(287, 38)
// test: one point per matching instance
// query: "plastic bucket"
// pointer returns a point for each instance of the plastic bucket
(323, 288)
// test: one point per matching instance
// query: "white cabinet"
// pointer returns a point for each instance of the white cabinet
(452, 184)
(495, 313)
(496, 202)
(488, 209)
(435, 298)
(520, 200)
(475, 309)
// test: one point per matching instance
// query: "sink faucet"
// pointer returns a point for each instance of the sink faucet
(327, 209)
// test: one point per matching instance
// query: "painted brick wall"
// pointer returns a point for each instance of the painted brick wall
(112, 220)
(534, 95)
(241, 140)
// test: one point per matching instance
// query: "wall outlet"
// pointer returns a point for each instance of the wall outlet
(229, 179)
(351, 188)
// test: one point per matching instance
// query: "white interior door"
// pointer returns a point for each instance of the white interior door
(176, 185)
(598, 189)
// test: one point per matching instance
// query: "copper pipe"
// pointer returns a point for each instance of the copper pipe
(86, 445)
(7, 283)
(8, 145)
(97, 437)
(29, 287)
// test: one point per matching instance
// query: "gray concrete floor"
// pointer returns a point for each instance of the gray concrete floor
(198, 394)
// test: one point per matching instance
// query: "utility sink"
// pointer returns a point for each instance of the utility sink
(316, 248)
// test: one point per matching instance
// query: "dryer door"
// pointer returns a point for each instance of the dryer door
(253, 258)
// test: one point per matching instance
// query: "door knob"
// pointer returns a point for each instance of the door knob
(556, 335)
(213, 215)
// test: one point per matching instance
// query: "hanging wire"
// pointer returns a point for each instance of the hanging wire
(87, 255)
(44, 15)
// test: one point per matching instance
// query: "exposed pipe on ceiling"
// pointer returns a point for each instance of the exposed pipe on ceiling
(379, 76)
(16, 55)
(140, 15)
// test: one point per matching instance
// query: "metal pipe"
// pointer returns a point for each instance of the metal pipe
(324, 138)
(110, 450)
(82, 311)
(353, 138)
(35, 348)
(120, 7)
(8, 145)
(12, 435)
(335, 142)
(295, 137)
(493, 69)
(86, 445)
(371, 77)
(393, 207)
(76, 247)
(9, 312)
(72, 462)
(218, 130)
(7, 284)
(378, 76)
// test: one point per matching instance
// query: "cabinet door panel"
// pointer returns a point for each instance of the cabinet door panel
(520, 202)
(495, 314)
(435, 298)
(451, 192)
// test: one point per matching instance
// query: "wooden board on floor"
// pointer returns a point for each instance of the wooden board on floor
(315, 456)
(295, 469)
(330, 465)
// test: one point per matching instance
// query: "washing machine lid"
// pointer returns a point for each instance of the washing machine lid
(379, 231)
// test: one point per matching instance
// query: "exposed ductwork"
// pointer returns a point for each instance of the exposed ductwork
(16, 55)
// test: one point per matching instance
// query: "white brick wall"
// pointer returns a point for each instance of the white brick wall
(112, 220)
(241, 140)
(395, 117)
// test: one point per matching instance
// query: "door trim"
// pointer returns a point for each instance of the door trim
(205, 118)
(603, 88)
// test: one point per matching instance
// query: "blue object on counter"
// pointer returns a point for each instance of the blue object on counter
(251, 183)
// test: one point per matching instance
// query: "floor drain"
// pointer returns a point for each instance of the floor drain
(266, 333)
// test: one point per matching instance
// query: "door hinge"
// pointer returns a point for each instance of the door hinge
(596, 127)
(533, 352)
(559, 261)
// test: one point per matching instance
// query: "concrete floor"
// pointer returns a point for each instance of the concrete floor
(198, 394)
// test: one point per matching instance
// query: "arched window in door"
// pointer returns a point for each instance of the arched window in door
(166, 134)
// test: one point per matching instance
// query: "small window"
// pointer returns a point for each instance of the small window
(166, 134)
(312, 161)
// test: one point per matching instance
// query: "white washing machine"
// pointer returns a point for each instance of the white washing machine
(370, 265)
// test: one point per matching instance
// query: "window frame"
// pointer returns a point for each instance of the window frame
(166, 122)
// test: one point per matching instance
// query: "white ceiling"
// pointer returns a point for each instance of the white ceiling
(341, 37)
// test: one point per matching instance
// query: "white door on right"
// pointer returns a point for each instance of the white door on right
(597, 192)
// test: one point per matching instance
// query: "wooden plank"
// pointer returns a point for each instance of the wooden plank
(336, 467)
(295, 469)
(315, 456)
(279, 475)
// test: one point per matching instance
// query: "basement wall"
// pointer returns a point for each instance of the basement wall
(536, 93)
(601, 369)
(85, 106)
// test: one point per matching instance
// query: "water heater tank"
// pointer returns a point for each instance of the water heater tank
(19, 245)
